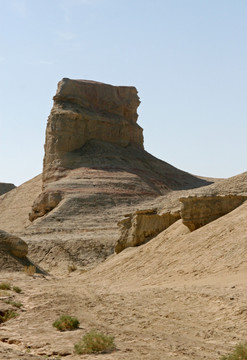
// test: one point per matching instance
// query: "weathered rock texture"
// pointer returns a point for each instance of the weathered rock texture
(5, 187)
(88, 110)
(94, 150)
(44, 203)
(13, 244)
(95, 171)
(199, 211)
(142, 226)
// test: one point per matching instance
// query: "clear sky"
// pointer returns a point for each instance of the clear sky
(187, 59)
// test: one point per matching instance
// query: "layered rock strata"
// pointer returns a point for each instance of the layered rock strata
(197, 211)
(95, 171)
(142, 226)
(88, 110)
(94, 147)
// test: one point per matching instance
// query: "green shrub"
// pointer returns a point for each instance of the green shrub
(66, 322)
(7, 316)
(238, 353)
(14, 303)
(95, 342)
(17, 289)
(5, 286)
(72, 268)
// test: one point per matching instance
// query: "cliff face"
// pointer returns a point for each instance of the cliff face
(94, 147)
(138, 228)
(199, 211)
(88, 110)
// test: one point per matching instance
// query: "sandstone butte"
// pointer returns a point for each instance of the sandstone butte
(175, 287)
(95, 171)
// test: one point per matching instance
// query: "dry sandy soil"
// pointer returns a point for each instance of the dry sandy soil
(180, 296)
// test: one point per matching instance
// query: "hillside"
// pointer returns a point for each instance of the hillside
(181, 294)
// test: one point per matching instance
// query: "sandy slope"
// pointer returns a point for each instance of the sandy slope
(16, 205)
(180, 296)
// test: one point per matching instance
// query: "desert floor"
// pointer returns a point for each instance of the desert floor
(154, 309)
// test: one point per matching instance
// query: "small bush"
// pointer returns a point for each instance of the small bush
(7, 316)
(5, 286)
(95, 342)
(17, 289)
(238, 353)
(72, 268)
(30, 270)
(14, 303)
(66, 322)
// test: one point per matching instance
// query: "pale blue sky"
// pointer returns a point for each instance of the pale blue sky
(187, 58)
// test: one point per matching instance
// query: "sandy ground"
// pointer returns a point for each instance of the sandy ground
(180, 296)
(192, 320)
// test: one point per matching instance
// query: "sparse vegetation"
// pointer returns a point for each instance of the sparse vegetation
(29, 270)
(238, 353)
(72, 268)
(66, 322)
(95, 342)
(17, 289)
(14, 303)
(5, 286)
(7, 316)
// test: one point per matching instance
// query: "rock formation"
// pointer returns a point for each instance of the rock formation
(88, 110)
(197, 211)
(95, 171)
(5, 187)
(142, 226)
(44, 203)
(13, 244)
(94, 146)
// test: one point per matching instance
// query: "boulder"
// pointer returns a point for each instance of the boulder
(197, 211)
(142, 226)
(13, 244)
(44, 203)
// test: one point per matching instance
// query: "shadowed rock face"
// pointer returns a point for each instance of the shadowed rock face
(88, 110)
(197, 211)
(5, 187)
(13, 244)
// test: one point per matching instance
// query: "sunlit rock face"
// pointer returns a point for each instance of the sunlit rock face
(197, 211)
(142, 226)
(88, 110)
